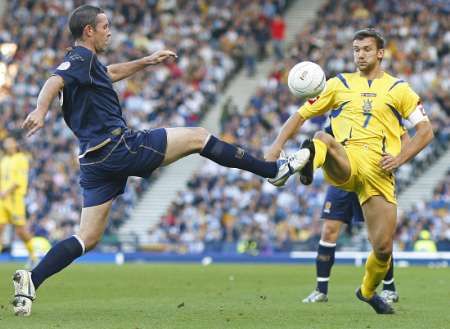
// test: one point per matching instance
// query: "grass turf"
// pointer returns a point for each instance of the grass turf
(221, 296)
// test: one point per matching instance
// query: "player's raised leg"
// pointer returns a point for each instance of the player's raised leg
(184, 141)
(325, 260)
(381, 218)
(326, 152)
(92, 226)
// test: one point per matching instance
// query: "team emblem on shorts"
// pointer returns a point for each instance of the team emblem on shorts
(63, 66)
(327, 207)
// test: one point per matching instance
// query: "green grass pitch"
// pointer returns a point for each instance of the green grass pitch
(221, 296)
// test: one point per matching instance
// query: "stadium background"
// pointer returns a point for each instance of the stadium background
(222, 211)
(233, 60)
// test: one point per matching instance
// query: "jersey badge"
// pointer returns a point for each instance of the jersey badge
(367, 105)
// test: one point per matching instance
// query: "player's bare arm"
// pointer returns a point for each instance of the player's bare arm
(122, 71)
(288, 130)
(35, 120)
(405, 139)
(424, 135)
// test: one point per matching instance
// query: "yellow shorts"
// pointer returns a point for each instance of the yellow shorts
(12, 210)
(367, 179)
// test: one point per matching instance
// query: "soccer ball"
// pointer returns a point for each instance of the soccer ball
(306, 80)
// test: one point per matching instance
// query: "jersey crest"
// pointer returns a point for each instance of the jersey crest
(367, 106)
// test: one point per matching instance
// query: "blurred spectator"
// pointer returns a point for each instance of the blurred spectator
(278, 30)
(424, 242)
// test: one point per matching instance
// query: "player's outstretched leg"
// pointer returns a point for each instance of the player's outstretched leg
(92, 226)
(389, 292)
(184, 141)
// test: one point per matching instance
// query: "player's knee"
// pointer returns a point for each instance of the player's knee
(329, 233)
(323, 136)
(383, 250)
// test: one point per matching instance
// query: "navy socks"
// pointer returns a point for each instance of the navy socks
(324, 262)
(61, 255)
(232, 156)
(388, 281)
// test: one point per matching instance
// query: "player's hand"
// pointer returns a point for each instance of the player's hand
(389, 162)
(160, 56)
(272, 153)
(33, 122)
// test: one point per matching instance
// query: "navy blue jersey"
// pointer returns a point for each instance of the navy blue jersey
(342, 205)
(90, 105)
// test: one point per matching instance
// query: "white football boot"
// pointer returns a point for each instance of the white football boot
(390, 296)
(316, 297)
(288, 166)
(24, 293)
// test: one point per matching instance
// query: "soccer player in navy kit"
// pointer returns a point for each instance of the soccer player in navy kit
(109, 151)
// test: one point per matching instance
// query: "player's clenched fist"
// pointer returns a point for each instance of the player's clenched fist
(33, 122)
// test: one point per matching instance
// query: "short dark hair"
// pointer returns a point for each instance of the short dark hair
(82, 16)
(370, 33)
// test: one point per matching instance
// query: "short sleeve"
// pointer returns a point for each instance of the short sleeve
(406, 100)
(320, 104)
(75, 69)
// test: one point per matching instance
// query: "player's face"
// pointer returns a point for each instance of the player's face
(366, 54)
(10, 145)
(102, 33)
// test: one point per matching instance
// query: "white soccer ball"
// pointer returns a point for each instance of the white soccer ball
(306, 80)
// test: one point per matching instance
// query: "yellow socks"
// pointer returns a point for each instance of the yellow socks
(376, 270)
(29, 246)
(321, 153)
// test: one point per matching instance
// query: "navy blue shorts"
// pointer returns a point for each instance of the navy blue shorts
(104, 172)
(342, 205)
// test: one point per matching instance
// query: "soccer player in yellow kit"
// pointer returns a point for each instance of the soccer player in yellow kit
(366, 112)
(13, 188)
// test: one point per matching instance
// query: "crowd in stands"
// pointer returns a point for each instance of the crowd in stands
(209, 38)
(226, 210)
(432, 216)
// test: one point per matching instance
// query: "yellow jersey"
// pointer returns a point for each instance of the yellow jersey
(14, 170)
(365, 112)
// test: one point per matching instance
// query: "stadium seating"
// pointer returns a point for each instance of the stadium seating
(208, 37)
(240, 213)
